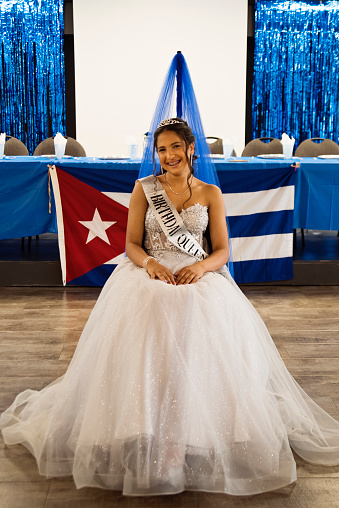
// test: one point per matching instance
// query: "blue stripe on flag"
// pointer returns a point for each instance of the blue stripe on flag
(96, 277)
(262, 270)
(252, 180)
(261, 224)
(100, 179)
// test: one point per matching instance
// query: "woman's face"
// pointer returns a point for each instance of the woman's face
(172, 152)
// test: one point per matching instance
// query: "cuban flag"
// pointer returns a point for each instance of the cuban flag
(92, 209)
(92, 220)
(260, 206)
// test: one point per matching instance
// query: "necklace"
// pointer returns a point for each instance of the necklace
(177, 193)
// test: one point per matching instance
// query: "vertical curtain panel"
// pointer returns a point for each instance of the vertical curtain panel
(32, 70)
(296, 67)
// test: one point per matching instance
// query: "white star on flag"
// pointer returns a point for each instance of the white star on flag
(97, 227)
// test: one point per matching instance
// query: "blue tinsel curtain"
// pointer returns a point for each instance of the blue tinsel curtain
(296, 66)
(32, 74)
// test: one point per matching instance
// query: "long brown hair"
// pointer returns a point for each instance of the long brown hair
(184, 131)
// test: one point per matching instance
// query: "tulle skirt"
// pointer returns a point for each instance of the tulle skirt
(173, 388)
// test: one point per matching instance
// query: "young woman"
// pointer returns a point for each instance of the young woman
(176, 383)
(184, 191)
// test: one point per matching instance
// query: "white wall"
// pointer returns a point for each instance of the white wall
(123, 49)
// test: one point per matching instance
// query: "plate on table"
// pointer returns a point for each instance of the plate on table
(272, 156)
(232, 159)
(53, 156)
(328, 157)
(217, 155)
(113, 158)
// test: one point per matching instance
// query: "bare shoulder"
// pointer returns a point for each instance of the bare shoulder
(138, 189)
(138, 196)
(211, 193)
(137, 186)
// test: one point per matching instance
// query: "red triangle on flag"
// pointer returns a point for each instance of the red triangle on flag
(94, 225)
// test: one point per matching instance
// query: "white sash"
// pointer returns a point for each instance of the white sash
(169, 219)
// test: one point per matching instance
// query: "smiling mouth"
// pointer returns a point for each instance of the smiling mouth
(173, 163)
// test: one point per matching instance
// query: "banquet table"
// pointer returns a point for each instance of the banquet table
(24, 198)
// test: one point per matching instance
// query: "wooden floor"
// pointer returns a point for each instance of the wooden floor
(40, 327)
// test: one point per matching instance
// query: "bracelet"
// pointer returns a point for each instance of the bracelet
(146, 260)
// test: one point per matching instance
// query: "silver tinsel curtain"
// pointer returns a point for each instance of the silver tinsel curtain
(296, 66)
(32, 74)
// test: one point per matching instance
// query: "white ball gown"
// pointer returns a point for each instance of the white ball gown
(173, 388)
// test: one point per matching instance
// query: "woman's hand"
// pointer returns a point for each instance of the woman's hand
(189, 274)
(156, 270)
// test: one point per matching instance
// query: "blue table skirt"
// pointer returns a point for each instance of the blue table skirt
(24, 195)
(317, 195)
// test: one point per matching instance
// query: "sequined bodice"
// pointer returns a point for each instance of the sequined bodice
(195, 219)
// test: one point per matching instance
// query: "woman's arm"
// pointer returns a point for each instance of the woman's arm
(135, 225)
(135, 233)
(218, 231)
(219, 240)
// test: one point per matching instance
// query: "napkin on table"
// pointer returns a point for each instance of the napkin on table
(59, 139)
(59, 145)
(2, 144)
(287, 140)
(288, 144)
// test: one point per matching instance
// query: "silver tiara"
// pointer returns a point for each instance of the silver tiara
(169, 121)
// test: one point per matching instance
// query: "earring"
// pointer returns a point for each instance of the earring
(162, 170)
